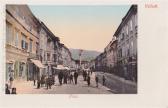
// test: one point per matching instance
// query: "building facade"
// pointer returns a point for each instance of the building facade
(127, 44)
(22, 40)
(32, 49)
(120, 55)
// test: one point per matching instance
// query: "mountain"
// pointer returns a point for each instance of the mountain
(86, 54)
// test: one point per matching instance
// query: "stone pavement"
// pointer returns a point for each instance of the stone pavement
(26, 87)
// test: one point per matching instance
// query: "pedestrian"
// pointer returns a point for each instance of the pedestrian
(65, 77)
(97, 80)
(34, 81)
(13, 91)
(71, 78)
(7, 91)
(50, 81)
(88, 80)
(11, 80)
(91, 72)
(85, 75)
(38, 83)
(53, 79)
(75, 77)
(42, 80)
(60, 76)
(104, 79)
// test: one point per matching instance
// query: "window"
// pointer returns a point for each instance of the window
(24, 44)
(127, 29)
(16, 37)
(122, 36)
(48, 56)
(131, 24)
(37, 47)
(8, 33)
(120, 53)
(30, 47)
(55, 57)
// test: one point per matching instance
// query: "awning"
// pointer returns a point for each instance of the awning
(10, 61)
(67, 68)
(38, 63)
(59, 67)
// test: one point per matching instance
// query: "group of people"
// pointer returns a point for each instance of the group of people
(86, 77)
(97, 80)
(48, 81)
(65, 77)
(8, 91)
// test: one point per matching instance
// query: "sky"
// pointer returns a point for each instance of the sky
(82, 27)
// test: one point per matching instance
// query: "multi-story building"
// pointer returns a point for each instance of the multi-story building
(31, 48)
(126, 35)
(111, 55)
(49, 49)
(22, 40)
(120, 55)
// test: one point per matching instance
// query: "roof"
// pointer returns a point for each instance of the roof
(132, 9)
(48, 31)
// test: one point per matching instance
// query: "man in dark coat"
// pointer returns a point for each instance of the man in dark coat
(7, 91)
(96, 79)
(65, 77)
(13, 91)
(88, 80)
(75, 77)
(60, 76)
(38, 83)
(71, 78)
(104, 79)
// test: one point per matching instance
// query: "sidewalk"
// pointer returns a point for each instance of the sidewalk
(117, 84)
(27, 87)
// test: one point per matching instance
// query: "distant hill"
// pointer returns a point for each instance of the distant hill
(86, 55)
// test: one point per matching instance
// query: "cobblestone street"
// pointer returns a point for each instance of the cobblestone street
(27, 87)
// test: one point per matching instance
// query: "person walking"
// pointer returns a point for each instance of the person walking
(76, 77)
(97, 80)
(60, 76)
(13, 91)
(71, 78)
(88, 80)
(65, 77)
(48, 83)
(38, 83)
(11, 80)
(7, 91)
(104, 79)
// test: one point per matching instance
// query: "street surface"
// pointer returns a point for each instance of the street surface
(27, 87)
(117, 84)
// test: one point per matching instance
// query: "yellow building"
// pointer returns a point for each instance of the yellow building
(21, 40)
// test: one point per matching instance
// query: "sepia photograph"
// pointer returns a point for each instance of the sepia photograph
(71, 49)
